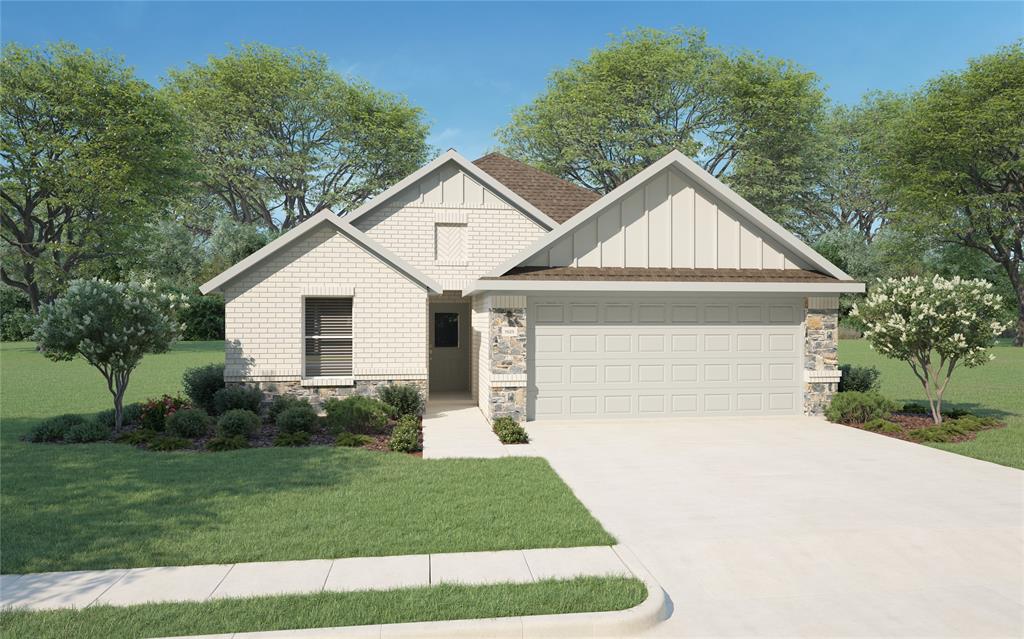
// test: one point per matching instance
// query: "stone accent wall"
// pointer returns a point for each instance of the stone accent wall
(318, 394)
(507, 344)
(821, 362)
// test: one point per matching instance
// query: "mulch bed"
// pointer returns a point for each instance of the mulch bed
(909, 422)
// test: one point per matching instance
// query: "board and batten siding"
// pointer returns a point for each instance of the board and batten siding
(494, 230)
(264, 311)
(668, 222)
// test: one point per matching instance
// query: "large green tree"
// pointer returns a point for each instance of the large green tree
(88, 155)
(282, 136)
(745, 118)
(955, 160)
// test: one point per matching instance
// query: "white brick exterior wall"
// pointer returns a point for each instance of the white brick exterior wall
(495, 229)
(480, 358)
(264, 308)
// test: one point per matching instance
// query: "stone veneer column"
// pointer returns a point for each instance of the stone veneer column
(508, 356)
(821, 362)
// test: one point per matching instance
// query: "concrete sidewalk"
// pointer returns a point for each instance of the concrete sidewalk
(453, 426)
(123, 587)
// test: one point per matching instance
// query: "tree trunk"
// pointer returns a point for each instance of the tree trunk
(1017, 280)
(1018, 339)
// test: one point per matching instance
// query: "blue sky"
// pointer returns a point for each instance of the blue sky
(469, 65)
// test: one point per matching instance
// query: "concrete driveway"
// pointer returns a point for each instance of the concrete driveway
(793, 527)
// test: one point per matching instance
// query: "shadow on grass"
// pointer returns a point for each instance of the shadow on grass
(980, 410)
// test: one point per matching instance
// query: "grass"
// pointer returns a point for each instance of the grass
(447, 601)
(89, 506)
(992, 389)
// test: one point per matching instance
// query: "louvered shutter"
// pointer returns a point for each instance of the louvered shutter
(328, 336)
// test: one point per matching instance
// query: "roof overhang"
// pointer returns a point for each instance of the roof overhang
(451, 155)
(323, 217)
(567, 286)
(770, 227)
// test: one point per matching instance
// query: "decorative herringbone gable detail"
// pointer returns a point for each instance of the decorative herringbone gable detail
(450, 244)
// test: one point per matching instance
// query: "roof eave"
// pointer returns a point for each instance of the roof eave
(510, 285)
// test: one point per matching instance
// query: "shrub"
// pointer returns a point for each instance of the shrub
(140, 436)
(357, 414)
(244, 397)
(203, 318)
(221, 443)
(238, 422)
(87, 431)
(282, 403)
(915, 409)
(405, 438)
(298, 438)
(972, 423)
(880, 425)
(853, 407)
(54, 429)
(509, 431)
(165, 443)
(298, 419)
(201, 383)
(405, 398)
(352, 440)
(155, 412)
(858, 378)
(934, 434)
(189, 422)
(17, 323)
(132, 414)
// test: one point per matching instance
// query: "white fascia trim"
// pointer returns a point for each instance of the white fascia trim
(451, 155)
(662, 287)
(772, 228)
(324, 216)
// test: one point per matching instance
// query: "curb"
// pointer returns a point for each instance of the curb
(612, 623)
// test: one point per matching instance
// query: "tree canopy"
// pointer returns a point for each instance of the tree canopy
(88, 154)
(744, 117)
(281, 136)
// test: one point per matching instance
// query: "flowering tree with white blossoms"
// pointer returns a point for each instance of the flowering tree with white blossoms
(934, 325)
(111, 325)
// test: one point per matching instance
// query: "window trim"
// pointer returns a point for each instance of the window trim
(325, 380)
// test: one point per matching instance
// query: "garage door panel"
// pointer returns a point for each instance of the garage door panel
(630, 356)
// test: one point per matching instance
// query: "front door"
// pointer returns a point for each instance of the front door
(449, 347)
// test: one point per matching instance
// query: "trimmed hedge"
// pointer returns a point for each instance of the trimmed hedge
(357, 414)
(189, 422)
(298, 419)
(202, 383)
(243, 397)
(405, 438)
(509, 431)
(854, 407)
(858, 378)
(238, 422)
(404, 398)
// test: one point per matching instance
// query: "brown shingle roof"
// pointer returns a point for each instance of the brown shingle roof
(638, 274)
(556, 198)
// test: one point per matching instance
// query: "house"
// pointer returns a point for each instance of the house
(669, 296)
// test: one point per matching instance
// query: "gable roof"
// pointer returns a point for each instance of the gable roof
(323, 217)
(485, 178)
(556, 197)
(770, 227)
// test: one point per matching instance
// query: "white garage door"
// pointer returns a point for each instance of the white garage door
(660, 356)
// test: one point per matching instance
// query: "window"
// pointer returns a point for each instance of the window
(328, 335)
(446, 330)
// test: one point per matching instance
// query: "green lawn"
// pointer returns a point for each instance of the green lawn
(321, 610)
(996, 388)
(85, 506)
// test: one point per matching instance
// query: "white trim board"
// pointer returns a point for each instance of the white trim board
(523, 286)
(770, 227)
(451, 155)
(324, 216)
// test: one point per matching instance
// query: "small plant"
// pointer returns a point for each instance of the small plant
(297, 419)
(406, 399)
(232, 397)
(221, 443)
(352, 440)
(880, 425)
(858, 378)
(405, 438)
(138, 437)
(156, 411)
(973, 423)
(357, 414)
(298, 438)
(131, 414)
(282, 403)
(86, 432)
(853, 407)
(54, 429)
(189, 422)
(164, 443)
(238, 422)
(915, 409)
(201, 383)
(932, 435)
(509, 431)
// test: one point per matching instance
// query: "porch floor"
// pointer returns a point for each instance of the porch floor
(453, 426)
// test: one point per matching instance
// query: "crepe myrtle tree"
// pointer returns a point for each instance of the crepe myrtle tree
(110, 324)
(934, 325)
